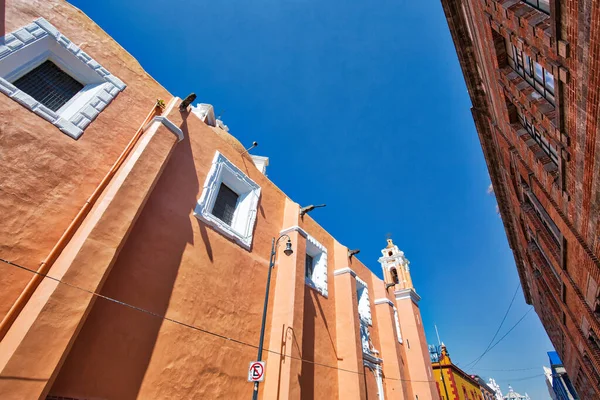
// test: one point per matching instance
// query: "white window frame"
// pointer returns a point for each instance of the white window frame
(318, 252)
(244, 219)
(397, 322)
(28, 47)
(364, 316)
(364, 302)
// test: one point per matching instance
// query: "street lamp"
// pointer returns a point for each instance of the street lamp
(288, 251)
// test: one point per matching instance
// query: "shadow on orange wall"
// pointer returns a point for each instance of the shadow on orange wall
(307, 375)
(113, 350)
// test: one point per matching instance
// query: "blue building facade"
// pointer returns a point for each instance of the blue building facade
(561, 384)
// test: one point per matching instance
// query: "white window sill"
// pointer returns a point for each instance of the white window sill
(312, 285)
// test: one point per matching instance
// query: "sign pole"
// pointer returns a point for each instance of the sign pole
(264, 316)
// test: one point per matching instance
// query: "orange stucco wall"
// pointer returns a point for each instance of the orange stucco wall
(142, 245)
(46, 175)
(319, 332)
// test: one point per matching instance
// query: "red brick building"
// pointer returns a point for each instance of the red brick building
(532, 69)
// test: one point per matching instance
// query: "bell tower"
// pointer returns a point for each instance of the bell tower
(396, 275)
(395, 267)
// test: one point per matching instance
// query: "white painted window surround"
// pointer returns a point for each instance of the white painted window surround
(244, 218)
(396, 320)
(28, 47)
(364, 315)
(318, 252)
(364, 304)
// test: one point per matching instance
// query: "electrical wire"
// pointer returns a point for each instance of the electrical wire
(523, 379)
(506, 334)
(476, 361)
(507, 370)
(186, 325)
(513, 327)
(193, 327)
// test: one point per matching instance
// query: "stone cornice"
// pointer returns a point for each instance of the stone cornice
(305, 234)
(294, 228)
(407, 294)
(344, 271)
(384, 301)
(169, 125)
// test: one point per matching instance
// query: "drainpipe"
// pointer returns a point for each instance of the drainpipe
(44, 267)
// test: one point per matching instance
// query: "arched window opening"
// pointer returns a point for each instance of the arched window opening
(394, 275)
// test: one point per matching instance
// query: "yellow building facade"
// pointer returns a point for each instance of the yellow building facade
(452, 382)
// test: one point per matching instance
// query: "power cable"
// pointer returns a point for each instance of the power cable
(513, 327)
(193, 327)
(506, 370)
(505, 335)
(523, 379)
(186, 325)
(476, 361)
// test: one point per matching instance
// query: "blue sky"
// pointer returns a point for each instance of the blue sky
(360, 105)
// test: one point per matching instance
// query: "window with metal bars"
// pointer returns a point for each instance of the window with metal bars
(542, 5)
(49, 85)
(225, 204)
(538, 137)
(309, 265)
(540, 79)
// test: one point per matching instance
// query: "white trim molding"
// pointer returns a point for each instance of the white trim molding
(225, 172)
(364, 302)
(261, 163)
(206, 113)
(396, 320)
(342, 271)
(318, 279)
(26, 48)
(384, 301)
(369, 358)
(169, 125)
(375, 367)
(294, 228)
(407, 294)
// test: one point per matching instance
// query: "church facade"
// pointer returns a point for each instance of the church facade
(136, 240)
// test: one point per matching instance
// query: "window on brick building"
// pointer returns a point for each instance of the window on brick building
(500, 49)
(594, 342)
(537, 135)
(513, 116)
(542, 5)
(535, 240)
(591, 292)
(537, 76)
(543, 215)
(394, 273)
(588, 363)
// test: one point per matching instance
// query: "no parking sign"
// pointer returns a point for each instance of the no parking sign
(256, 372)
